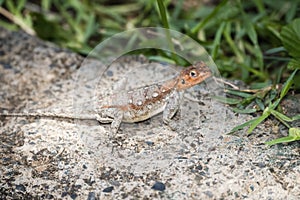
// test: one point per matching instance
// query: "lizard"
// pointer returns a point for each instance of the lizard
(140, 103)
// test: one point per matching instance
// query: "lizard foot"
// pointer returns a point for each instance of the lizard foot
(174, 126)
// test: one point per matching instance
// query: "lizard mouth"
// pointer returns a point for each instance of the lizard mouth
(206, 74)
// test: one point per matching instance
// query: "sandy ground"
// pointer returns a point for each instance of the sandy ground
(52, 158)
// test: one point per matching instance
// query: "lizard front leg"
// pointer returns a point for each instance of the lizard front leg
(171, 108)
(114, 117)
(118, 116)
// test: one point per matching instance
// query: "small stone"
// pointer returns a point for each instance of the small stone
(108, 189)
(91, 196)
(150, 143)
(73, 196)
(261, 165)
(47, 196)
(182, 158)
(64, 194)
(109, 73)
(209, 194)
(7, 65)
(239, 162)
(202, 173)
(199, 167)
(159, 186)
(21, 188)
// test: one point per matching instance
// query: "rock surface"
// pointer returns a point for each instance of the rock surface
(70, 159)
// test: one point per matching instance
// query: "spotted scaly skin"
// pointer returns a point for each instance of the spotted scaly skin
(145, 102)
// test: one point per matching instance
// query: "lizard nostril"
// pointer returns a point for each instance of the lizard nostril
(182, 81)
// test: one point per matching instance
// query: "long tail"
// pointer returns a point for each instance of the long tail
(51, 115)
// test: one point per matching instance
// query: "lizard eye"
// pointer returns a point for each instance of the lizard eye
(193, 74)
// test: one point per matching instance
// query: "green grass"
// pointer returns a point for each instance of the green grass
(255, 41)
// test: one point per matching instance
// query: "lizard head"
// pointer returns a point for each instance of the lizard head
(193, 75)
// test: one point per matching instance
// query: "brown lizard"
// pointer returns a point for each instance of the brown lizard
(144, 102)
(141, 103)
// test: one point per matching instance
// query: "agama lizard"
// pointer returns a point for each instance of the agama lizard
(141, 103)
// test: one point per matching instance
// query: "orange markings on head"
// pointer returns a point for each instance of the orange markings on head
(193, 75)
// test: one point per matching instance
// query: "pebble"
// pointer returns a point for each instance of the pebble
(109, 73)
(91, 196)
(150, 143)
(159, 186)
(108, 189)
(21, 188)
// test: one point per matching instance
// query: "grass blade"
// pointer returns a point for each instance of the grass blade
(217, 40)
(287, 84)
(241, 126)
(239, 93)
(258, 120)
(163, 13)
(209, 17)
(227, 100)
(294, 134)
(280, 116)
(280, 140)
(296, 117)
(244, 111)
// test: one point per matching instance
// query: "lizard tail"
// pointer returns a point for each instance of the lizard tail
(51, 115)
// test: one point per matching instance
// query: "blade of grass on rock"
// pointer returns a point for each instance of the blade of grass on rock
(294, 134)
(244, 111)
(258, 120)
(241, 126)
(239, 93)
(226, 100)
(281, 117)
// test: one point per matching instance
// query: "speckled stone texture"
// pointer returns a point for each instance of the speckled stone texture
(42, 158)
